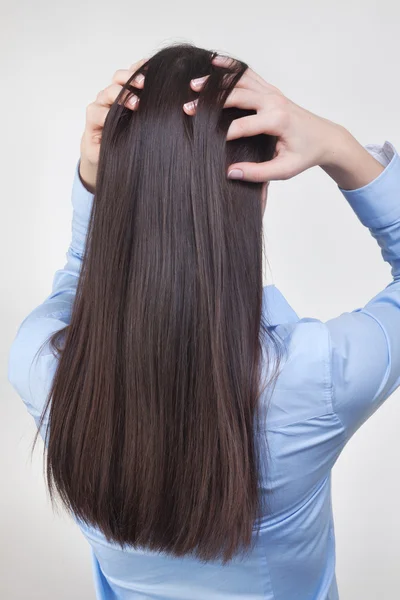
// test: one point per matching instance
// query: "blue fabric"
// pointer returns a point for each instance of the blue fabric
(336, 374)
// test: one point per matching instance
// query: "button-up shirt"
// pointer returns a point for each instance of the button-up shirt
(336, 374)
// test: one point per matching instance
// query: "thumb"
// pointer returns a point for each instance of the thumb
(277, 168)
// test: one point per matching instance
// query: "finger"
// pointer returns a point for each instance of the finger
(266, 123)
(221, 60)
(108, 96)
(244, 98)
(132, 102)
(239, 98)
(122, 75)
(276, 169)
(261, 81)
(198, 83)
(190, 107)
(96, 115)
(249, 77)
(244, 82)
(249, 74)
(135, 66)
(225, 61)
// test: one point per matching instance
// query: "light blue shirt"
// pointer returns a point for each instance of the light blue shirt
(337, 373)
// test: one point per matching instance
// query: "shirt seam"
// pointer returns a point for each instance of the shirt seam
(385, 378)
(329, 387)
(278, 428)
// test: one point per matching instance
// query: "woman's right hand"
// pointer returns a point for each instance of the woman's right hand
(96, 113)
(304, 139)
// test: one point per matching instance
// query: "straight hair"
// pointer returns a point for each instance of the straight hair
(152, 432)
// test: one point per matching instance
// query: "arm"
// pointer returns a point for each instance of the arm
(365, 343)
(53, 313)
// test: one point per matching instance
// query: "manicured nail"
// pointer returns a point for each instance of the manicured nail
(190, 105)
(199, 81)
(133, 100)
(220, 58)
(235, 174)
(139, 78)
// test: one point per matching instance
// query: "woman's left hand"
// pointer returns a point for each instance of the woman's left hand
(304, 138)
(96, 113)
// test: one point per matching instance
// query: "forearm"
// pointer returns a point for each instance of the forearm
(365, 343)
(29, 378)
(348, 163)
(87, 174)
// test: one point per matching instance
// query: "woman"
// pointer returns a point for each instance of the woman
(194, 417)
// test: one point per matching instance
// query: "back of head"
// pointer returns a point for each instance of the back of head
(155, 397)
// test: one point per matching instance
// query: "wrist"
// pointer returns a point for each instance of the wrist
(348, 163)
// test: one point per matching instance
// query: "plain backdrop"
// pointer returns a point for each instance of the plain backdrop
(338, 59)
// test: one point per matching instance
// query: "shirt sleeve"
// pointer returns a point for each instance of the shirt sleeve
(365, 343)
(31, 381)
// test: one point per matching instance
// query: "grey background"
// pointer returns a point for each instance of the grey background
(338, 59)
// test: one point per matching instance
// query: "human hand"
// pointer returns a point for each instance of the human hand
(304, 139)
(96, 113)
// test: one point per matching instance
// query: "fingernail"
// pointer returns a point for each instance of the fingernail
(190, 105)
(219, 58)
(139, 78)
(133, 100)
(199, 81)
(235, 174)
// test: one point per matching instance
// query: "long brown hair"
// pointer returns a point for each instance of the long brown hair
(155, 400)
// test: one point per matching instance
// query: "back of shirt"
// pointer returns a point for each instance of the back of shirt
(334, 376)
(301, 442)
